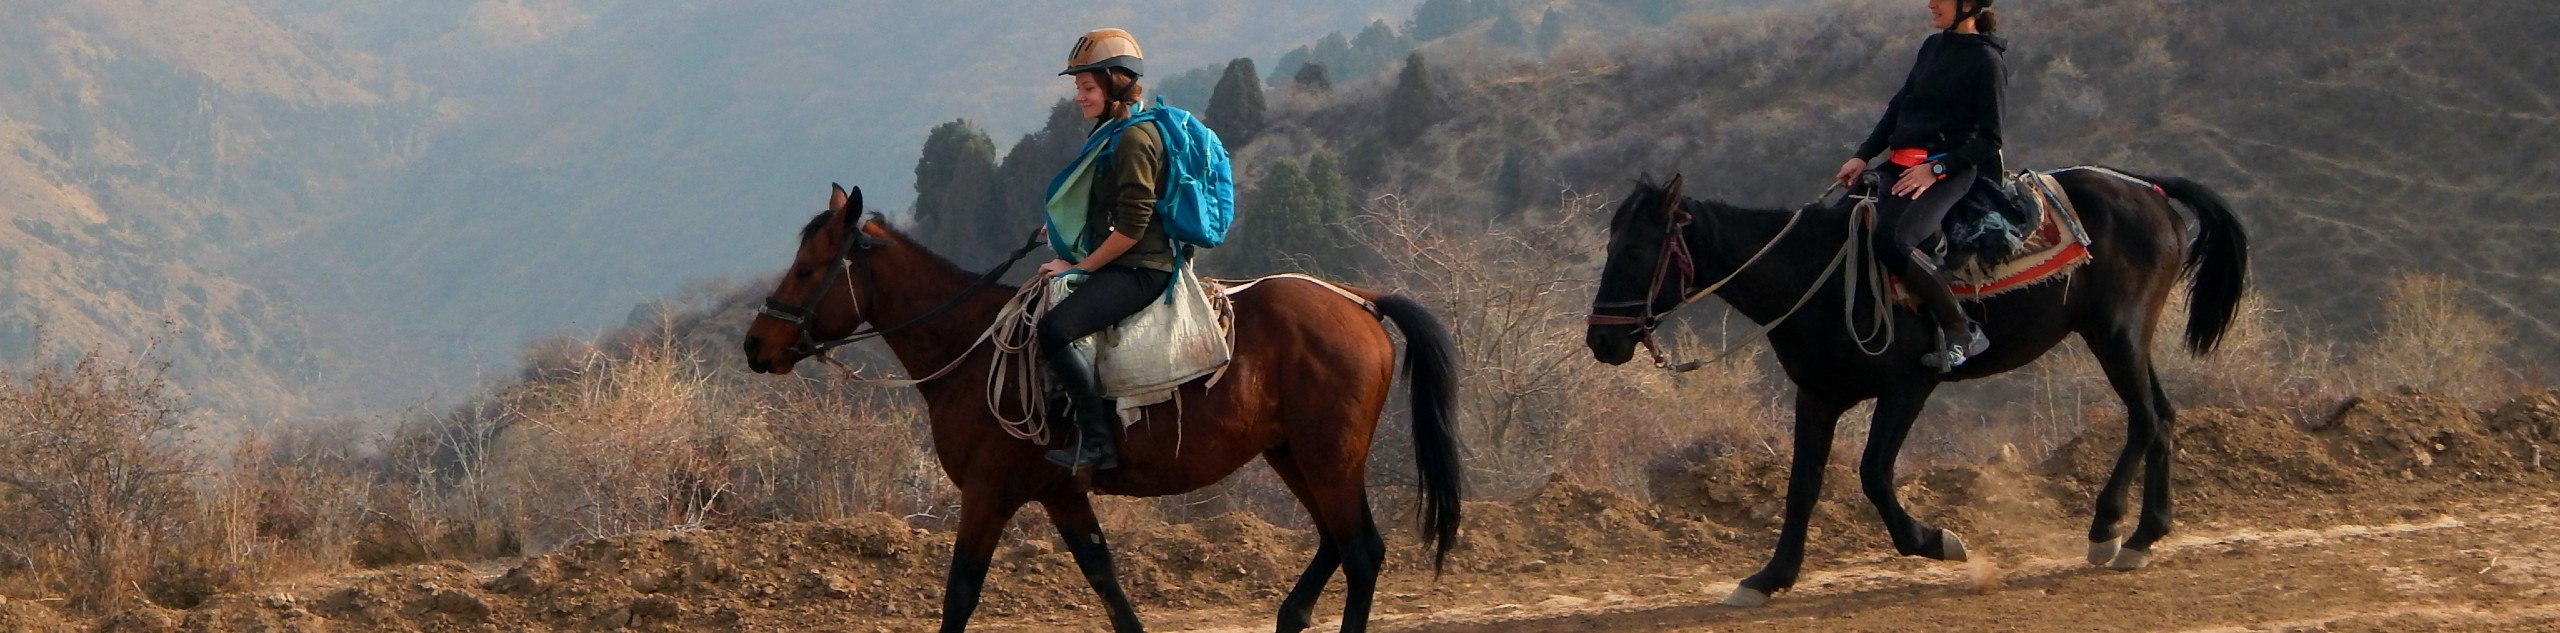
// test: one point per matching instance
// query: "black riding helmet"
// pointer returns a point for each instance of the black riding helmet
(1979, 6)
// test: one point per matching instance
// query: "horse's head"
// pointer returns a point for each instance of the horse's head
(819, 297)
(1646, 274)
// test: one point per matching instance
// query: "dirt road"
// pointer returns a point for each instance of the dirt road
(2491, 566)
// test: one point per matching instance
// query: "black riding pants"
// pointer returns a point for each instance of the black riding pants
(1102, 300)
(1905, 224)
(1908, 223)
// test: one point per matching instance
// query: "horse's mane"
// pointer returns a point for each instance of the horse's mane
(819, 223)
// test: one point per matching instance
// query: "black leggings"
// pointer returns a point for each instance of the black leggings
(1908, 223)
(1102, 300)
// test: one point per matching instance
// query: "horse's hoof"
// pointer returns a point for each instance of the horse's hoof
(2102, 552)
(1746, 597)
(1950, 546)
(2129, 559)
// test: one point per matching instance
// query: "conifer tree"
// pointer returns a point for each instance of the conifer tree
(956, 206)
(1236, 106)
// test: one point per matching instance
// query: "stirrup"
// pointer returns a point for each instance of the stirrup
(1087, 452)
(1952, 354)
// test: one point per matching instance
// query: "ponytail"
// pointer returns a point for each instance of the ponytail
(1986, 21)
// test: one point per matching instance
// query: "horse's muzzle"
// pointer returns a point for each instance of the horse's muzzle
(1611, 344)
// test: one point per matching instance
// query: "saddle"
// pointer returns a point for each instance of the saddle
(2008, 233)
(1993, 222)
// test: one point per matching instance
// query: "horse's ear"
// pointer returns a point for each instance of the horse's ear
(852, 201)
(837, 200)
(1671, 195)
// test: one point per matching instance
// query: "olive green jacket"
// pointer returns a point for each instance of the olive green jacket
(1124, 200)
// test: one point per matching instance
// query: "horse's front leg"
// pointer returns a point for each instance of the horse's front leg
(1815, 421)
(982, 519)
(1072, 512)
(1895, 413)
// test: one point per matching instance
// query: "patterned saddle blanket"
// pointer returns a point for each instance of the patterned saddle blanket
(2013, 234)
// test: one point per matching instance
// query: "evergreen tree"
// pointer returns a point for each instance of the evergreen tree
(1236, 107)
(1436, 19)
(1332, 192)
(1550, 31)
(1189, 90)
(1507, 31)
(1511, 188)
(956, 210)
(1313, 77)
(1414, 106)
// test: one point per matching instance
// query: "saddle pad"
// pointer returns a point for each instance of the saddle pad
(2058, 246)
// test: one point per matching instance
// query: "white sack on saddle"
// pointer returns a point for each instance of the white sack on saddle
(1145, 358)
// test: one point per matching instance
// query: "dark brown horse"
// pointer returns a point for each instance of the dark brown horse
(2140, 251)
(1311, 374)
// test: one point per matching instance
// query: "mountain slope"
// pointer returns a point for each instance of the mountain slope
(2358, 143)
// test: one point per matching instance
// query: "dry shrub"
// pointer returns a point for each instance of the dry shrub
(93, 494)
(1512, 297)
(618, 447)
(288, 501)
(1534, 404)
(2261, 361)
(2432, 339)
(837, 451)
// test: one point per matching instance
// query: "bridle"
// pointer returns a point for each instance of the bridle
(1675, 253)
(802, 316)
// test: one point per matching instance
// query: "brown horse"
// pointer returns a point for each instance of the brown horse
(1664, 247)
(1311, 373)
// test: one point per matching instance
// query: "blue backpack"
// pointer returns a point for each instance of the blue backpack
(1196, 201)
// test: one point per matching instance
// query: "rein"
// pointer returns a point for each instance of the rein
(800, 316)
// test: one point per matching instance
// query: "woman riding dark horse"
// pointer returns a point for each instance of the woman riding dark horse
(1942, 131)
(1831, 326)
(1121, 253)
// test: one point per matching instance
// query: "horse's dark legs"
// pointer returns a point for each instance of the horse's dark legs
(1297, 611)
(1815, 421)
(2127, 361)
(1072, 512)
(1338, 499)
(982, 520)
(2155, 522)
(1895, 413)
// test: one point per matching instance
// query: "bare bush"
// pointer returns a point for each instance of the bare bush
(93, 494)
(2433, 339)
(618, 447)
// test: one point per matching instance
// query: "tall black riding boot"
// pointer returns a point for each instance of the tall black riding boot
(1093, 415)
(1963, 339)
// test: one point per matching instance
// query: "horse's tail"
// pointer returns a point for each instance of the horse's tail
(1431, 371)
(2217, 265)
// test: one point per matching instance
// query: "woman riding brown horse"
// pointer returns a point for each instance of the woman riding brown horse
(1311, 374)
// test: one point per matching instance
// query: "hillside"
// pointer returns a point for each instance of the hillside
(2358, 144)
(348, 206)
(149, 155)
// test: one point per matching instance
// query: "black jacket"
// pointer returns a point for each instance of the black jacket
(1950, 104)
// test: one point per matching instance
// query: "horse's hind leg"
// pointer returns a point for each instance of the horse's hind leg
(1895, 413)
(2127, 360)
(1336, 493)
(1297, 611)
(1072, 512)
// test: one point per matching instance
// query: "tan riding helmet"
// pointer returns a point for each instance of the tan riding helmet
(1105, 49)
